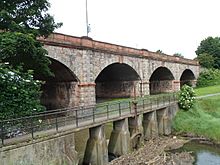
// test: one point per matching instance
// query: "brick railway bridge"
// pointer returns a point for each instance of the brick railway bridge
(87, 72)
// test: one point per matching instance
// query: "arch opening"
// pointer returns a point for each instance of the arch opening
(161, 81)
(188, 78)
(117, 80)
(60, 90)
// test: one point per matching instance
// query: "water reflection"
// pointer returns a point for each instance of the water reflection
(204, 154)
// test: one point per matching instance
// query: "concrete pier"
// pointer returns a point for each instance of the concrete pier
(150, 126)
(96, 152)
(119, 143)
(136, 131)
(164, 123)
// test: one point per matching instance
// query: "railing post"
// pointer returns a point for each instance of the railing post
(143, 105)
(130, 107)
(2, 132)
(77, 122)
(93, 114)
(56, 123)
(119, 106)
(32, 125)
(107, 107)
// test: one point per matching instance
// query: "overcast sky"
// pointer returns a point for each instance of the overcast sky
(173, 26)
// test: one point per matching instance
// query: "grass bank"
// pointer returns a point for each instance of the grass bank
(207, 90)
(202, 120)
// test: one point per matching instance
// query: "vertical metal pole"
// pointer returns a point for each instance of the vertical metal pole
(119, 106)
(107, 106)
(56, 124)
(2, 132)
(77, 122)
(93, 114)
(32, 125)
(87, 25)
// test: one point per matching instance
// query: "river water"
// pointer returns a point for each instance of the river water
(204, 154)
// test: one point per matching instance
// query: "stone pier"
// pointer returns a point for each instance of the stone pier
(150, 126)
(96, 152)
(119, 143)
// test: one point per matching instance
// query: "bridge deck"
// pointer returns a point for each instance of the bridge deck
(71, 120)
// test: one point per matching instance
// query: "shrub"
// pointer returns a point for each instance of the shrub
(209, 77)
(19, 93)
(186, 97)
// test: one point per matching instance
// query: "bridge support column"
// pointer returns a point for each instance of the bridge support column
(119, 143)
(96, 152)
(87, 94)
(145, 88)
(136, 131)
(150, 125)
(164, 122)
(176, 85)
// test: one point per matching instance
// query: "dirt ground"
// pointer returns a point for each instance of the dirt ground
(157, 152)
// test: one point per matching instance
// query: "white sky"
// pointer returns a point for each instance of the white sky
(173, 26)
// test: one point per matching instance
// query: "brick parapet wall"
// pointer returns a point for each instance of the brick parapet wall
(62, 40)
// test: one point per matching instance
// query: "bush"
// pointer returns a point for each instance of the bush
(209, 77)
(19, 93)
(186, 97)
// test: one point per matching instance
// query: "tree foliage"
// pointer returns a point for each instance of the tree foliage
(22, 49)
(210, 46)
(20, 93)
(178, 55)
(208, 77)
(206, 60)
(27, 16)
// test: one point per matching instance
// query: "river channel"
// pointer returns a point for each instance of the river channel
(204, 154)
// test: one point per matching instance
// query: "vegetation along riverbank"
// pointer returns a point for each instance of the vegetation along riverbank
(203, 119)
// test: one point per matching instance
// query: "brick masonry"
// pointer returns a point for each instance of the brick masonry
(86, 58)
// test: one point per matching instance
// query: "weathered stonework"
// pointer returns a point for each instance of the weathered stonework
(86, 58)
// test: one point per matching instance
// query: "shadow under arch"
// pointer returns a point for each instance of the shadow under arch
(188, 78)
(161, 81)
(60, 90)
(117, 80)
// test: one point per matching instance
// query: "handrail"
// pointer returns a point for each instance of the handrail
(77, 117)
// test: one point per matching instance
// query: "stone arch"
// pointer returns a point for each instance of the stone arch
(161, 81)
(117, 80)
(187, 77)
(60, 90)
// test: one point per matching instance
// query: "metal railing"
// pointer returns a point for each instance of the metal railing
(53, 121)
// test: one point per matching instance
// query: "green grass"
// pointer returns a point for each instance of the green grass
(207, 90)
(202, 120)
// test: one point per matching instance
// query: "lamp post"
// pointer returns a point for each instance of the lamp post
(87, 24)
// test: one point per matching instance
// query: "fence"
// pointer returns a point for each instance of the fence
(54, 121)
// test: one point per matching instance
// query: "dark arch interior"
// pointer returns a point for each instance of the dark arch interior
(161, 81)
(117, 81)
(187, 77)
(58, 91)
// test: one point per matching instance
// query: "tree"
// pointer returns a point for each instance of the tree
(159, 51)
(22, 21)
(19, 93)
(27, 16)
(210, 46)
(206, 60)
(178, 55)
(23, 50)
